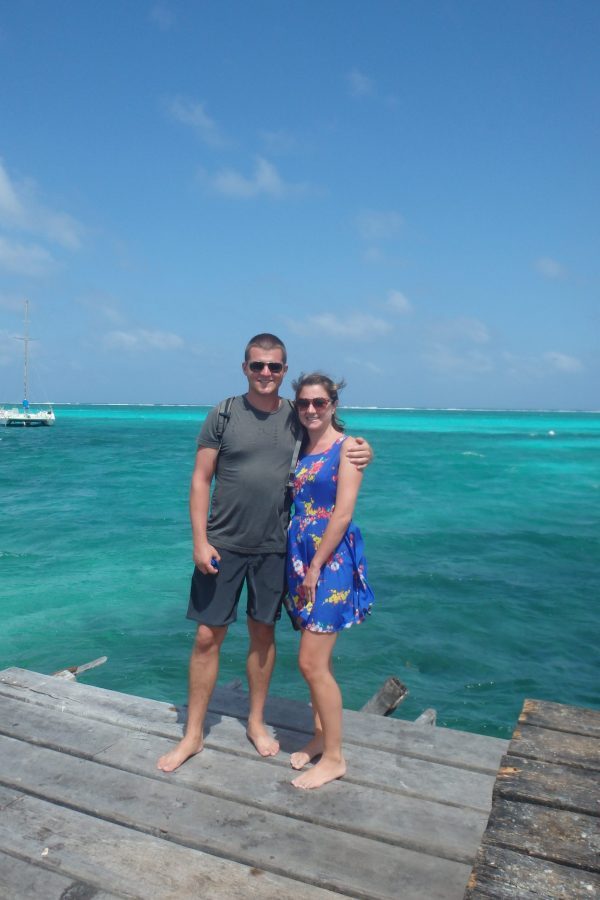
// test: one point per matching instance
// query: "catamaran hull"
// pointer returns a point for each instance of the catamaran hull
(18, 419)
(28, 423)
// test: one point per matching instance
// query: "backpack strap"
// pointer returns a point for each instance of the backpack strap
(223, 417)
(295, 455)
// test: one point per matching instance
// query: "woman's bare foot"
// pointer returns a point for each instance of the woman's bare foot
(324, 771)
(301, 757)
(262, 740)
(187, 747)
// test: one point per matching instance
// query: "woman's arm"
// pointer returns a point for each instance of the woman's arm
(348, 486)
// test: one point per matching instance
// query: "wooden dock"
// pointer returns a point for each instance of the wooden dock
(543, 835)
(85, 813)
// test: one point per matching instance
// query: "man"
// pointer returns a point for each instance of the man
(243, 539)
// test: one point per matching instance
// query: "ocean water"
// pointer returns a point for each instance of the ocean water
(482, 532)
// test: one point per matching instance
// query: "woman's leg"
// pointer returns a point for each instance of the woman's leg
(315, 746)
(315, 664)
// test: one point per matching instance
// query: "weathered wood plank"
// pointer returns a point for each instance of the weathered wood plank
(127, 863)
(56, 729)
(469, 751)
(557, 747)
(24, 881)
(307, 852)
(389, 696)
(562, 787)
(458, 748)
(445, 831)
(570, 839)
(558, 717)
(502, 874)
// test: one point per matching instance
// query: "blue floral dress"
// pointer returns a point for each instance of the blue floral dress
(342, 596)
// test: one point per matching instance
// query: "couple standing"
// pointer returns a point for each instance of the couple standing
(244, 539)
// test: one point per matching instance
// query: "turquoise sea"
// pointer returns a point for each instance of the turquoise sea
(482, 532)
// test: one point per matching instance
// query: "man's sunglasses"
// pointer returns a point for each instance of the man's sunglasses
(274, 368)
(318, 403)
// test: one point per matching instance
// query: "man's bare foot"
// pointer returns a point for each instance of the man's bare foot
(324, 771)
(262, 740)
(176, 757)
(301, 757)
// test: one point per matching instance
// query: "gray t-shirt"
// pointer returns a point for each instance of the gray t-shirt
(249, 507)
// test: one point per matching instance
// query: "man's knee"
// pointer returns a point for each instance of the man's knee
(209, 639)
(261, 634)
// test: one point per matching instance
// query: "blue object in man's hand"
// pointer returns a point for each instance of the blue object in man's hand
(214, 562)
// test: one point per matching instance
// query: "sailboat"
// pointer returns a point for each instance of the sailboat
(25, 415)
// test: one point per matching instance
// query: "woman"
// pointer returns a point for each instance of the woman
(326, 569)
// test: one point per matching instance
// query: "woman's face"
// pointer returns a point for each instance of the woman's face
(315, 407)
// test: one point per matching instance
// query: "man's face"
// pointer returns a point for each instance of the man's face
(261, 380)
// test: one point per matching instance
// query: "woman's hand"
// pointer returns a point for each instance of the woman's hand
(309, 585)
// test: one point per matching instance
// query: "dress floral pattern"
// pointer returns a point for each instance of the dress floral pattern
(342, 597)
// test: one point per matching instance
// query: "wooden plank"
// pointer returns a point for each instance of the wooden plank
(502, 874)
(445, 831)
(297, 849)
(471, 751)
(24, 881)
(56, 729)
(446, 745)
(570, 839)
(559, 717)
(557, 747)
(126, 862)
(562, 787)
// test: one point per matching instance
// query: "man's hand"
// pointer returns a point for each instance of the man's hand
(359, 452)
(203, 556)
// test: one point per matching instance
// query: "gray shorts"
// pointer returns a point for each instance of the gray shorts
(214, 598)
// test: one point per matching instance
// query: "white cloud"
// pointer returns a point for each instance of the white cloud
(104, 306)
(376, 225)
(550, 268)
(447, 359)
(12, 303)
(365, 364)
(264, 180)
(462, 329)
(278, 142)
(360, 84)
(20, 259)
(397, 301)
(354, 326)
(193, 113)
(562, 362)
(542, 366)
(9, 348)
(450, 348)
(162, 16)
(20, 210)
(142, 339)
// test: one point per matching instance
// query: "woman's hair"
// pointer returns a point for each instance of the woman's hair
(330, 386)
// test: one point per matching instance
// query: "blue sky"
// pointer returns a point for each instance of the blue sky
(405, 192)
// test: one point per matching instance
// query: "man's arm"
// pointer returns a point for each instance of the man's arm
(202, 476)
(359, 452)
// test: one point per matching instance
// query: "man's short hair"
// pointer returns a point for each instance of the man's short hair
(266, 341)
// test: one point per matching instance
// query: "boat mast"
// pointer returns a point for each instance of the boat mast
(26, 351)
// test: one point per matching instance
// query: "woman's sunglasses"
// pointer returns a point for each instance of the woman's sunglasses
(275, 368)
(318, 403)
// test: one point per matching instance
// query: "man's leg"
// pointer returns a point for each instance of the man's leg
(204, 668)
(266, 584)
(259, 668)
